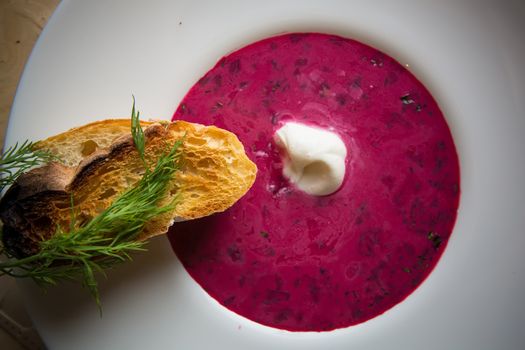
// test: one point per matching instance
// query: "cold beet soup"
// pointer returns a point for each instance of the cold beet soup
(300, 262)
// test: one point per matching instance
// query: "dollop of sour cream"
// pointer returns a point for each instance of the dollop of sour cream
(314, 158)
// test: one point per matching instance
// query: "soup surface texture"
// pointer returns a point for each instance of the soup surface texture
(298, 262)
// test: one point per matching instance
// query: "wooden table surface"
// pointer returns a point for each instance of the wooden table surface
(21, 22)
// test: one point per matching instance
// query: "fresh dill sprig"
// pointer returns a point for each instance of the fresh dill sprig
(108, 238)
(105, 240)
(137, 133)
(19, 159)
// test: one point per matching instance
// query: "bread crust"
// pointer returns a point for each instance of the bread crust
(214, 174)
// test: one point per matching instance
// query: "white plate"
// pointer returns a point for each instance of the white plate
(94, 54)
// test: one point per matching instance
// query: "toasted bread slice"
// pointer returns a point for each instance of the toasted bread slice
(76, 144)
(101, 162)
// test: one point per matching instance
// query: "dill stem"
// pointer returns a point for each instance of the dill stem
(18, 262)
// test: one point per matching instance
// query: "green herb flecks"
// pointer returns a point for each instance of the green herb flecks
(19, 159)
(435, 239)
(406, 99)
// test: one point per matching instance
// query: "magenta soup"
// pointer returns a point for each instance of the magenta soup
(289, 260)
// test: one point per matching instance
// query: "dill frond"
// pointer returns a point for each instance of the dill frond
(20, 158)
(107, 239)
(137, 133)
